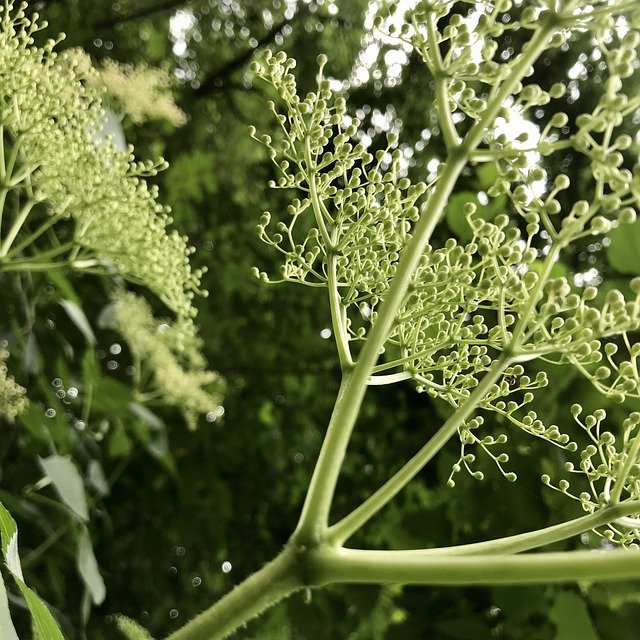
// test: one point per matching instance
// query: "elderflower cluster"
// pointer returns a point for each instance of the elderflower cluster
(170, 355)
(359, 207)
(141, 92)
(492, 299)
(12, 395)
(609, 470)
(57, 168)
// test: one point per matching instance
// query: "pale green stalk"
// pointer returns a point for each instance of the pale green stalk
(276, 580)
(35, 235)
(327, 566)
(315, 513)
(341, 531)
(21, 218)
(540, 537)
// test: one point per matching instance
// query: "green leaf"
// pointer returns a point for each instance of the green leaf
(487, 174)
(68, 483)
(147, 416)
(624, 248)
(559, 269)
(34, 421)
(119, 444)
(571, 617)
(77, 316)
(88, 568)
(96, 478)
(32, 355)
(46, 627)
(9, 534)
(7, 630)
(456, 219)
(90, 367)
(112, 397)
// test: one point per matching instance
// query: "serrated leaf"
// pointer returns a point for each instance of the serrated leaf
(45, 626)
(78, 317)
(7, 630)
(67, 482)
(9, 535)
(88, 568)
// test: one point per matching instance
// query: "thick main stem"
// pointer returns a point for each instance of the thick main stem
(276, 580)
(356, 566)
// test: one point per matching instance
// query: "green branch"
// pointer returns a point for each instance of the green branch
(540, 537)
(327, 566)
(275, 581)
(342, 530)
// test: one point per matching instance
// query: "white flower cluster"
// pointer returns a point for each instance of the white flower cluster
(12, 395)
(169, 365)
(55, 168)
(610, 468)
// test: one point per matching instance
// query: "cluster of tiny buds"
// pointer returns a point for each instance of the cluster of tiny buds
(360, 208)
(609, 466)
(56, 154)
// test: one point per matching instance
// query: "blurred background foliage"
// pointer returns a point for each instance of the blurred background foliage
(177, 517)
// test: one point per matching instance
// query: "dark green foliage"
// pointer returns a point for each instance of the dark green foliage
(169, 508)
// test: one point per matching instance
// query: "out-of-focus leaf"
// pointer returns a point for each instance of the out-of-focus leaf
(88, 568)
(68, 483)
(90, 367)
(559, 270)
(32, 356)
(571, 617)
(111, 397)
(146, 415)
(119, 443)
(456, 218)
(78, 317)
(97, 479)
(624, 248)
(33, 420)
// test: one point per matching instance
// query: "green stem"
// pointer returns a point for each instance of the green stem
(35, 235)
(530, 53)
(342, 530)
(28, 265)
(327, 566)
(32, 557)
(631, 460)
(275, 581)
(541, 537)
(16, 226)
(449, 132)
(315, 512)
